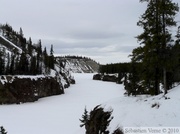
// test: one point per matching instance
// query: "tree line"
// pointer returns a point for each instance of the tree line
(157, 60)
(32, 60)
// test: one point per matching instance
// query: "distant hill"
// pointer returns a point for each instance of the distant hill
(78, 64)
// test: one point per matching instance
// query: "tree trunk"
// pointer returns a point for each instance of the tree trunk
(165, 80)
(156, 92)
(164, 49)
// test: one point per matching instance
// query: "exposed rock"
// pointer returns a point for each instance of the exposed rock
(97, 77)
(20, 90)
(78, 64)
(109, 78)
(106, 77)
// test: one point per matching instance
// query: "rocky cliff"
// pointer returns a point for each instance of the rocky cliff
(20, 89)
(77, 64)
(20, 59)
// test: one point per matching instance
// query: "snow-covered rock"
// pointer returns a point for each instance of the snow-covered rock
(78, 64)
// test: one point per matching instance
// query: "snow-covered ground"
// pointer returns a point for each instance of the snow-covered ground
(61, 114)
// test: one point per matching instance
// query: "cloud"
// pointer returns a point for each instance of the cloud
(102, 29)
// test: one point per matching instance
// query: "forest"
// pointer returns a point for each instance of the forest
(31, 60)
(157, 60)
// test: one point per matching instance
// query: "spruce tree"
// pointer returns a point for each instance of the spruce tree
(168, 9)
(156, 20)
(178, 36)
(39, 58)
(21, 32)
(51, 58)
(8, 64)
(2, 62)
(33, 65)
(30, 49)
(23, 64)
(46, 61)
(85, 118)
(12, 64)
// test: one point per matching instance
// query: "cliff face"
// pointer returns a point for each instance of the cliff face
(78, 64)
(19, 60)
(16, 89)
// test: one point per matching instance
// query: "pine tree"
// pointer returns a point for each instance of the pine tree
(21, 32)
(39, 58)
(23, 64)
(30, 47)
(175, 60)
(12, 65)
(8, 64)
(51, 58)
(168, 11)
(33, 65)
(156, 20)
(85, 118)
(178, 36)
(46, 61)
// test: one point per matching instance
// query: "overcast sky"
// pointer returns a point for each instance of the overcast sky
(104, 30)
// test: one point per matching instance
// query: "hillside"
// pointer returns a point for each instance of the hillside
(6, 44)
(76, 64)
(27, 72)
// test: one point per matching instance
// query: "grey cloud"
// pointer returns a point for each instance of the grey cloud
(89, 35)
(101, 29)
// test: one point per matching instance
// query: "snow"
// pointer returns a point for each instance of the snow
(14, 46)
(61, 114)
(32, 77)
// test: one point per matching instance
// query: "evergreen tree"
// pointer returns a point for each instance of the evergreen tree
(178, 36)
(51, 58)
(12, 64)
(45, 56)
(2, 130)
(8, 64)
(2, 62)
(30, 49)
(168, 9)
(33, 65)
(23, 64)
(21, 32)
(39, 58)
(175, 60)
(156, 20)
(16, 65)
(97, 121)
(46, 61)
(85, 118)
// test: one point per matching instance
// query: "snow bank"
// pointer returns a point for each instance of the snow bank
(61, 114)
(146, 111)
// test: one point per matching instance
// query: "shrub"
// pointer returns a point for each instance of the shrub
(118, 131)
(97, 121)
(157, 105)
(2, 130)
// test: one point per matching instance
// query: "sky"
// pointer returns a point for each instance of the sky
(103, 30)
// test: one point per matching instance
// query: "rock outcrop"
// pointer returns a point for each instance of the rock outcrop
(107, 77)
(78, 64)
(15, 89)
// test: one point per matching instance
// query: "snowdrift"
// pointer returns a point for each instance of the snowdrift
(61, 114)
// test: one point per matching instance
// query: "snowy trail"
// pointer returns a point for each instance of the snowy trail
(59, 114)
